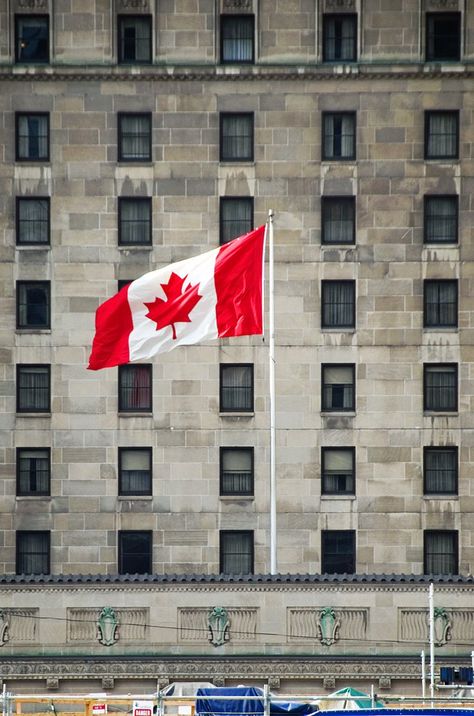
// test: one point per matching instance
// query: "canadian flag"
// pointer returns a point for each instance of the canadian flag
(215, 295)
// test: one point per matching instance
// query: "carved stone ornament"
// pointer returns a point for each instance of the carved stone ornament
(107, 627)
(329, 683)
(4, 626)
(32, 4)
(108, 683)
(340, 4)
(443, 4)
(219, 624)
(237, 4)
(133, 4)
(385, 682)
(442, 626)
(274, 682)
(52, 683)
(219, 681)
(328, 626)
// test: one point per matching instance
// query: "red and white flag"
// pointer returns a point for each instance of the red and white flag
(215, 295)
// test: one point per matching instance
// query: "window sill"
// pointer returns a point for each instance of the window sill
(441, 413)
(338, 497)
(135, 498)
(25, 498)
(237, 498)
(39, 414)
(135, 247)
(135, 162)
(342, 413)
(33, 162)
(441, 329)
(131, 414)
(239, 162)
(34, 247)
(444, 496)
(29, 331)
(236, 414)
(329, 329)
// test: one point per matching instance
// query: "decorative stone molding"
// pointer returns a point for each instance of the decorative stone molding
(219, 681)
(4, 626)
(218, 623)
(336, 5)
(442, 626)
(274, 683)
(329, 683)
(455, 624)
(32, 5)
(163, 683)
(134, 5)
(18, 625)
(52, 683)
(326, 625)
(443, 5)
(385, 682)
(194, 624)
(237, 5)
(108, 683)
(89, 625)
(107, 627)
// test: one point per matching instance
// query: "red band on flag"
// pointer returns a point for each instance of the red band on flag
(113, 325)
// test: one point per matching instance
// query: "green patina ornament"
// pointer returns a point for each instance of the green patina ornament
(218, 623)
(107, 627)
(328, 625)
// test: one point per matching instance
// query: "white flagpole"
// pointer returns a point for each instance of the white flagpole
(432, 657)
(273, 512)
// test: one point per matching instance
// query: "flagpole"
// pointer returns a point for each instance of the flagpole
(273, 512)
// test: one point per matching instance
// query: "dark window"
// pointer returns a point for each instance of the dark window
(338, 387)
(236, 552)
(134, 39)
(122, 282)
(33, 388)
(135, 471)
(443, 36)
(135, 383)
(440, 387)
(236, 137)
(339, 38)
(32, 304)
(236, 388)
(134, 221)
(134, 137)
(32, 552)
(338, 220)
(441, 220)
(237, 38)
(337, 471)
(33, 470)
(441, 135)
(135, 552)
(236, 217)
(339, 132)
(338, 552)
(32, 38)
(32, 221)
(440, 470)
(32, 137)
(441, 304)
(236, 476)
(440, 552)
(338, 304)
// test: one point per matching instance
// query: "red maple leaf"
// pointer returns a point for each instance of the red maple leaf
(177, 307)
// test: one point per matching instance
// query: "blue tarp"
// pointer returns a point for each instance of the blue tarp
(210, 703)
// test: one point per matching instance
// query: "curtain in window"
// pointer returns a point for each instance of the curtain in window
(441, 555)
(135, 39)
(440, 471)
(338, 221)
(33, 305)
(338, 304)
(33, 472)
(134, 222)
(440, 388)
(339, 136)
(236, 138)
(236, 218)
(441, 219)
(237, 557)
(33, 40)
(33, 553)
(237, 388)
(135, 388)
(236, 472)
(442, 135)
(237, 38)
(338, 471)
(338, 390)
(135, 138)
(135, 472)
(33, 221)
(441, 303)
(32, 137)
(34, 389)
(340, 38)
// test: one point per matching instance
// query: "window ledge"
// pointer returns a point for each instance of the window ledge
(33, 162)
(444, 496)
(238, 162)
(34, 247)
(25, 498)
(135, 247)
(338, 497)
(134, 163)
(131, 414)
(33, 331)
(237, 498)
(328, 329)
(441, 329)
(338, 413)
(236, 414)
(135, 498)
(441, 413)
(39, 414)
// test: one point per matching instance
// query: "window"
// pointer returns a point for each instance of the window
(33, 388)
(236, 476)
(32, 221)
(339, 131)
(135, 471)
(443, 36)
(33, 304)
(337, 471)
(134, 137)
(236, 137)
(32, 552)
(440, 470)
(338, 220)
(236, 552)
(135, 552)
(340, 38)
(134, 223)
(338, 304)
(32, 137)
(33, 470)
(31, 38)
(441, 220)
(122, 282)
(237, 38)
(440, 304)
(338, 552)
(440, 552)
(236, 217)
(236, 393)
(440, 387)
(134, 44)
(441, 135)
(338, 387)
(135, 394)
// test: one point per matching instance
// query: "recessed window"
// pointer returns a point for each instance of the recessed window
(134, 221)
(33, 304)
(338, 387)
(440, 387)
(135, 471)
(236, 471)
(236, 388)
(134, 137)
(443, 36)
(440, 470)
(31, 38)
(338, 304)
(33, 552)
(338, 220)
(236, 217)
(339, 133)
(33, 383)
(236, 137)
(237, 38)
(32, 137)
(135, 552)
(134, 45)
(441, 219)
(236, 552)
(440, 304)
(32, 221)
(340, 38)
(337, 471)
(441, 135)
(122, 282)
(33, 471)
(135, 388)
(440, 552)
(338, 552)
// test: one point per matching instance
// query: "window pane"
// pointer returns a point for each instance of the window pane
(236, 137)
(32, 221)
(441, 219)
(33, 388)
(441, 552)
(134, 221)
(32, 553)
(135, 471)
(33, 304)
(236, 552)
(440, 387)
(443, 36)
(442, 135)
(237, 387)
(440, 304)
(135, 552)
(338, 388)
(134, 137)
(236, 471)
(135, 388)
(338, 471)
(339, 38)
(236, 218)
(338, 304)
(338, 220)
(440, 470)
(237, 41)
(32, 137)
(135, 39)
(339, 136)
(33, 470)
(32, 38)
(338, 552)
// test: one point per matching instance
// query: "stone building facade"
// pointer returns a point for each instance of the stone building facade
(137, 133)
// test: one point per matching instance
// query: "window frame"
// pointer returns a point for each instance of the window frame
(223, 200)
(31, 16)
(32, 327)
(19, 222)
(222, 408)
(120, 137)
(28, 159)
(244, 493)
(23, 366)
(227, 18)
(327, 18)
(122, 370)
(441, 157)
(326, 115)
(438, 325)
(335, 448)
(144, 201)
(122, 555)
(20, 555)
(453, 449)
(143, 493)
(431, 198)
(426, 371)
(325, 284)
(32, 493)
(455, 535)
(325, 534)
(324, 407)
(121, 40)
(249, 117)
(429, 35)
(222, 537)
(326, 203)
